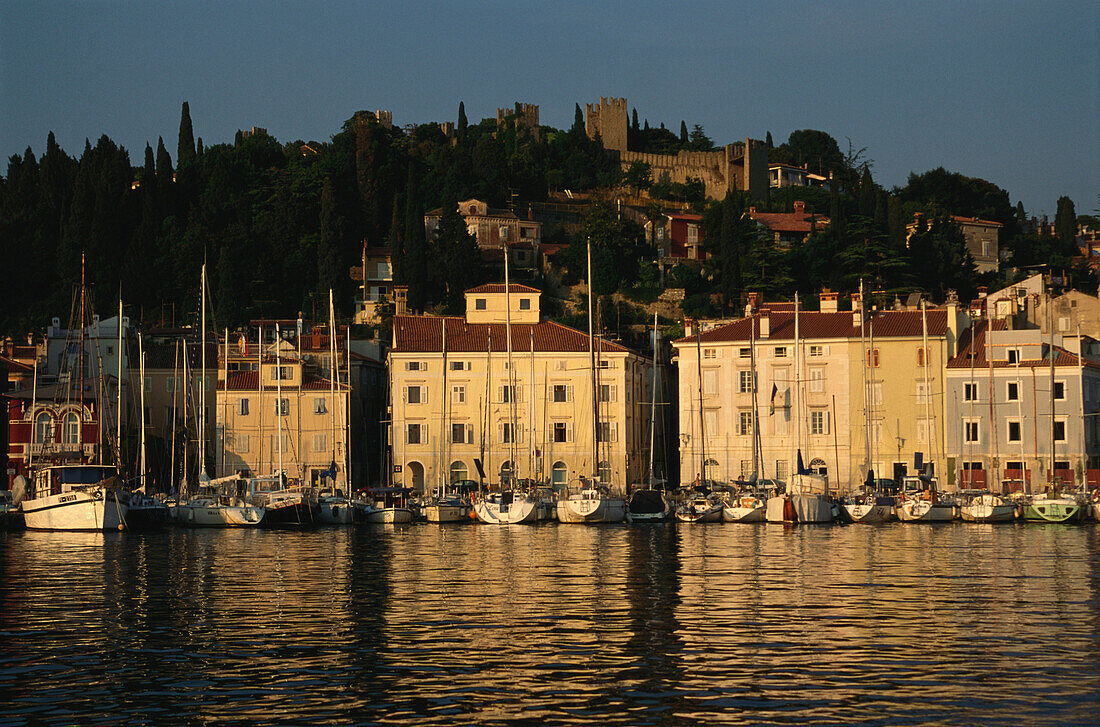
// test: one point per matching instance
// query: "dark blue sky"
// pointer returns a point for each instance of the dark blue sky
(1006, 91)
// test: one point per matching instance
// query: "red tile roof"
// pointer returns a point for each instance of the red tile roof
(800, 222)
(961, 360)
(813, 324)
(499, 288)
(975, 221)
(424, 334)
(249, 381)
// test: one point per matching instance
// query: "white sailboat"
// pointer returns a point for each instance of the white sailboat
(805, 500)
(333, 506)
(746, 504)
(594, 503)
(220, 503)
(446, 505)
(649, 503)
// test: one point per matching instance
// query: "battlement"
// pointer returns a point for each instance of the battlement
(609, 120)
(525, 115)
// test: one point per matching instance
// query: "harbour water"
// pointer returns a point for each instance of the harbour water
(428, 624)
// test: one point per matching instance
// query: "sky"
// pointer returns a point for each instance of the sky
(1006, 91)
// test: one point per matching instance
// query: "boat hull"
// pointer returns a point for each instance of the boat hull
(591, 510)
(739, 514)
(799, 509)
(712, 514)
(287, 513)
(922, 511)
(385, 515)
(514, 513)
(868, 514)
(88, 509)
(442, 513)
(1053, 511)
(218, 516)
(335, 511)
(988, 509)
(648, 506)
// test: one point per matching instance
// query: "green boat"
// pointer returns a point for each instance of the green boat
(1053, 508)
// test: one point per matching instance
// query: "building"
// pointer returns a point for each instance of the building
(524, 115)
(496, 228)
(681, 236)
(860, 393)
(375, 279)
(277, 412)
(788, 228)
(982, 239)
(464, 408)
(788, 175)
(1022, 408)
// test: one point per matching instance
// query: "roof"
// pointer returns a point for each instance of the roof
(499, 288)
(975, 221)
(11, 365)
(802, 222)
(814, 324)
(424, 334)
(249, 381)
(684, 216)
(976, 335)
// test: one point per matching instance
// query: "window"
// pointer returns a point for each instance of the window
(744, 423)
(872, 358)
(244, 407)
(876, 435)
(319, 406)
(458, 394)
(415, 366)
(460, 365)
(1013, 431)
(924, 431)
(924, 391)
(817, 350)
(320, 443)
(970, 430)
(70, 429)
(608, 393)
(876, 393)
(781, 352)
(1013, 391)
(510, 435)
(710, 422)
(559, 432)
(709, 353)
(507, 394)
(415, 433)
(1060, 430)
(525, 304)
(693, 234)
(819, 423)
(458, 434)
(817, 379)
(603, 471)
(1059, 390)
(242, 443)
(170, 384)
(416, 395)
(746, 468)
(607, 432)
(459, 471)
(781, 471)
(560, 393)
(479, 304)
(745, 382)
(744, 353)
(922, 357)
(710, 382)
(279, 443)
(282, 407)
(780, 423)
(559, 474)
(1014, 355)
(970, 392)
(283, 373)
(604, 364)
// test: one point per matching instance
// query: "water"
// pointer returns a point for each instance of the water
(427, 624)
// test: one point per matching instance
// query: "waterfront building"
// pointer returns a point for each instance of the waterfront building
(869, 389)
(1022, 405)
(458, 399)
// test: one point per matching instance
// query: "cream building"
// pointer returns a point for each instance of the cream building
(281, 410)
(458, 397)
(855, 394)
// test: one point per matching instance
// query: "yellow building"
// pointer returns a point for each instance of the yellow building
(458, 397)
(284, 411)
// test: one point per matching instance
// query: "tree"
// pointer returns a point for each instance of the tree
(699, 140)
(683, 133)
(456, 257)
(328, 256)
(639, 175)
(813, 149)
(416, 246)
(462, 123)
(634, 119)
(185, 150)
(1065, 226)
(768, 141)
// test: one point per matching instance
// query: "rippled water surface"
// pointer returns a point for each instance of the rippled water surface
(428, 624)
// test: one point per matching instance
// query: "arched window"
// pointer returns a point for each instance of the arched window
(559, 474)
(604, 472)
(459, 471)
(43, 428)
(70, 428)
(506, 472)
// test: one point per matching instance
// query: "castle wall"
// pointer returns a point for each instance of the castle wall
(609, 119)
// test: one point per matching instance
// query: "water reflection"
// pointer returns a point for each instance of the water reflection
(457, 624)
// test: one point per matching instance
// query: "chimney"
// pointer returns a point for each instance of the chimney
(799, 207)
(750, 306)
(857, 310)
(827, 301)
(952, 306)
(765, 323)
(689, 327)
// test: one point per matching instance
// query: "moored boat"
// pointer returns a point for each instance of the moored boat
(384, 506)
(285, 503)
(592, 504)
(72, 497)
(746, 505)
(452, 505)
(648, 504)
(1053, 507)
(508, 507)
(987, 507)
(699, 505)
(803, 502)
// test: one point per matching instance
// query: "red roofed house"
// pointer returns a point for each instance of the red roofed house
(458, 396)
(682, 236)
(857, 386)
(790, 227)
(495, 228)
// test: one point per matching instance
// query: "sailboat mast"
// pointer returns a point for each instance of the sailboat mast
(172, 482)
(866, 384)
(141, 365)
(531, 407)
(797, 399)
(929, 426)
(511, 388)
(118, 403)
(699, 373)
(225, 400)
(1050, 328)
(202, 377)
(653, 403)
(756, 454)
(592, 371)
(80, 360)
(331, 377)
(279, 399)
(992, 421)
(445, 435)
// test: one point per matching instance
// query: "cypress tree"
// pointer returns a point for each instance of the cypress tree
(397, 242)
(1065, 226)
(185, 150)
(463, 123)
(578, 120)
(164, 180)
(328, 263)
(683, 133)
(198, 147)
(416, 253)
(634, 119)
(768, 141)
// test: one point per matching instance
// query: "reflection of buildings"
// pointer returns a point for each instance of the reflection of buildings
(541, 420)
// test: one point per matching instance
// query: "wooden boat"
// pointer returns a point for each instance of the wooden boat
(72, 497)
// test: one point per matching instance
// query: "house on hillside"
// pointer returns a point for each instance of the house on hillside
(788, 228)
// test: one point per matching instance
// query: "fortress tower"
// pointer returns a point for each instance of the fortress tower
(609, 119)
(525, 114)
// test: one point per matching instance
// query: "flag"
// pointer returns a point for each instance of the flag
(330, 472)
(771, 404)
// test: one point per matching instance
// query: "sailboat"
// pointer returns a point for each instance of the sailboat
(594, 503)
(649, 503)
(446, 505)
(805, 499)
(746, 503)
(333, 507)
(143, 512)
(74, 495)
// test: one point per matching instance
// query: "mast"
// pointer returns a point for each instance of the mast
(225, 401)
(141, 360)
(699, 373)
(118, 403)
(332, 376)
(279, 400)
(797, 399)
(866, 384)
(531, 408)
(653, 403)
(992, 419)
(756, 460)
(202, 379)
(345, 405)
(1050, 327)
(186, 385)
(593, 373)
(260, 392)
(172, 483)
(1020, 414)
(871, 405)
(80, 360)
(445, 435)
(930, 426)
(511, 388)
(487, 454)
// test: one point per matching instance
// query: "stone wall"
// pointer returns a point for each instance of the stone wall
(608, 119)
